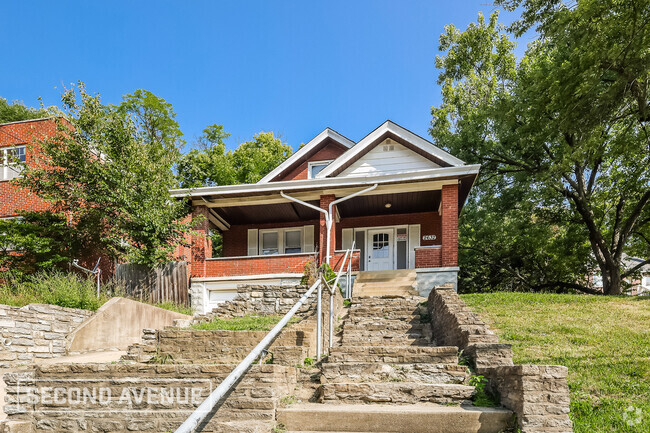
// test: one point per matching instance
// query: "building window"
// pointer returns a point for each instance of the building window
(645, 282)
(281, 241)
(11, 160)
(316, 167)
(292, 242)
(270, 243)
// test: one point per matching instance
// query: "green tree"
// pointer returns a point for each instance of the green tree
(562, 137)
(109, 169)
(210, 164)
(17, 111)
(256, 158)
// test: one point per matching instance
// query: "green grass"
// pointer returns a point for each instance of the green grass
(55, 288)
(66, 290)
(605, 342)
(168, 305)
(245, 323)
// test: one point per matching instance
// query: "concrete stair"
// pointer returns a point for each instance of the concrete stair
(396, 392)
(379, 283)
(388, 376)
(384, 418)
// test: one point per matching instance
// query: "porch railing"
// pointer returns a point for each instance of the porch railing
(333, 287)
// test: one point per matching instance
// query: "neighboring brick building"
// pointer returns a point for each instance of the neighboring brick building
(404, 213)
(17, 142)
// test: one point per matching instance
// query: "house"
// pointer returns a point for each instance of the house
(638, 283)
(393, 196)
(17, 144)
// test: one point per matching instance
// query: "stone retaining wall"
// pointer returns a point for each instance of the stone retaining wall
(538, 394)
(36, 331)
(265, 300)
(139, 397)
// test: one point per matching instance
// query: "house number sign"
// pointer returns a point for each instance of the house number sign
(429, 237)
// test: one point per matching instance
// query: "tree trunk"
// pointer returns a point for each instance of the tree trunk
(611, 280)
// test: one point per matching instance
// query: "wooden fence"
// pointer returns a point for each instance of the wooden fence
(164, 283)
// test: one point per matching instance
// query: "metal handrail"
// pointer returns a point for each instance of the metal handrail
(335, 285)
(199, 415)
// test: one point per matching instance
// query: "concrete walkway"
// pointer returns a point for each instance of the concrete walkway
(85, 358)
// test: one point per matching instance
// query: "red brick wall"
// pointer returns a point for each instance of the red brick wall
(450, 225)
(337, 260)
(430, 224)
(235, 240)
(330, 151)
(257, 265)
(13, 198)
(201, 247)
(428, 257)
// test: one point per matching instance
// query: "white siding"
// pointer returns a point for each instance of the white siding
(379, 161)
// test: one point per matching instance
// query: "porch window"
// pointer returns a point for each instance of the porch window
(281, 241)
(316, 167)
(270, 243)
(11, 159)
(292, 242)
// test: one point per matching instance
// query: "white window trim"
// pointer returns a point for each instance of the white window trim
(5, 164)
(310, 164)
(281, 246)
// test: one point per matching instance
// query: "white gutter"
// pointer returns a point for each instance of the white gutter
(328, 213)
(330, 182)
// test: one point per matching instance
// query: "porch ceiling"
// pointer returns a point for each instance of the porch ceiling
(268, 213)
(400, 203)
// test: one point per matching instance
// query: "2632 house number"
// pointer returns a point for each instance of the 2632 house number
(429, 237)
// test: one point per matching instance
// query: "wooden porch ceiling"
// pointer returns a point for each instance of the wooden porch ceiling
(370, 205)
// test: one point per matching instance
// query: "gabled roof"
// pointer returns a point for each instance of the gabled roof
(312, 145)
(400, 134)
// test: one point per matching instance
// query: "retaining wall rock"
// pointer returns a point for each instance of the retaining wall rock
(140, 397)
(36, 331)
(538, 394)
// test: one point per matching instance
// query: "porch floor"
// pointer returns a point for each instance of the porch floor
(399, 282)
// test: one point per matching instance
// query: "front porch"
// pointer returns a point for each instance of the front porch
(271, 240)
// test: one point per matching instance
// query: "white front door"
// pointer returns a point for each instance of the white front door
(380, 250)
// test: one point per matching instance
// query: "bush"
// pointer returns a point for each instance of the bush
(53, 287)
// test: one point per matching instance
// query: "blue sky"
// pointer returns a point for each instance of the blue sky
(292, 67)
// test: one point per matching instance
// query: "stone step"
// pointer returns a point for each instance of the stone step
(395, 354)
(386, 325)
(380, 372)
(380, 418)
(400, 340)
(384, 275)
(396, 392)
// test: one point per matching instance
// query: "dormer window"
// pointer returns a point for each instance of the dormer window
(316, 167)
(11, 160)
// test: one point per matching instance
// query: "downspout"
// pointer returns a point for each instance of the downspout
(328, 214)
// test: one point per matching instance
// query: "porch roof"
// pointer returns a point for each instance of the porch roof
(262, 203)
(315, 187)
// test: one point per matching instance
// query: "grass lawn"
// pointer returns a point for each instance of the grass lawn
(246, 323)
(605, 342)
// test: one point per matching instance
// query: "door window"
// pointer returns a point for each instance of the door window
(380, 246)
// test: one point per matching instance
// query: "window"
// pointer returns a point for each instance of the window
(316, 167)
(270, 243)
(281, 241)
(292, 242)
(645, 282)
(11, 159)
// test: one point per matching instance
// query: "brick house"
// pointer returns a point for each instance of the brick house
(397, 196)
(17, 143)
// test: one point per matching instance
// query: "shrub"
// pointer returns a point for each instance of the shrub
(53, 287)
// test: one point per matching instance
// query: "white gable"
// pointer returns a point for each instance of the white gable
(388, 157)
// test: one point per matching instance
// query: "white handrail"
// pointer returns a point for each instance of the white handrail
(335, 286)
(197, 417)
